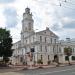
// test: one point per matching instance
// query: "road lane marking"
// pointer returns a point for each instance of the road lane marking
(57, 71)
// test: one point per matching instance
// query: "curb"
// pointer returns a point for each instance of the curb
(15, 69)
(10, 70)
(47, 67)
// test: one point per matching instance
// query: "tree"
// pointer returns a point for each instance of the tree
(5, 44)
(68, 53)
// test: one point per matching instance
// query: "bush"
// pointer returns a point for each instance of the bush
(73, 57)
(6, 59)
(39, 61)
(2, 64)
(66, 58)
(24, 63)
(49, 62)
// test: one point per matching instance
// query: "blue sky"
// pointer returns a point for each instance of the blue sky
(58, 15)
(6, 1)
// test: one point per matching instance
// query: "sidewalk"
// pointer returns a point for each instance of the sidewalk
(10, 69)
(47, 66)
(22, 67)
(42, 66)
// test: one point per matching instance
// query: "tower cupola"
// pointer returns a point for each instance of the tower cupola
(27, 10)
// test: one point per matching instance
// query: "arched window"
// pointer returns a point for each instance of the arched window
(29, 26)
(41, 57)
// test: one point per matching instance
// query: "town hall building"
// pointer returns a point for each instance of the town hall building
(41, 46)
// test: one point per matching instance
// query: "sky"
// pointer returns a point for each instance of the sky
(58, 15)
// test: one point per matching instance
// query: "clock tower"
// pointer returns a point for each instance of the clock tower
(27, 24)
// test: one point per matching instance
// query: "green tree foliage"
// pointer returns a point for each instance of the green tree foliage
(68, 52)
(5, 44)
(39, 61)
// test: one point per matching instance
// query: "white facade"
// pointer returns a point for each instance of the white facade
(45, 43)
(67, 43)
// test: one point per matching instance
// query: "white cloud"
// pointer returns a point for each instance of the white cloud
(2, 18)
(45, 13)
(67, 20)
(15, 33)
(6, 1)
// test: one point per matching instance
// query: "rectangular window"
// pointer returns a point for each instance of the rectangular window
(45, 39)
(51, 40)
(41, 38)
(55, 41)
(53, 48)
(41, 48)
(73, 50)
(29, 26)
(34, 48)
(73, 58)
(48, 57)
(26, 41)
(22, 51)
(46, 48)
(41, 57)
(59, 50)
(21, 59)
(23, 37)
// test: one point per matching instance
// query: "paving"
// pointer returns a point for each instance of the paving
(4, 70)
(46, 70)
(66, 70)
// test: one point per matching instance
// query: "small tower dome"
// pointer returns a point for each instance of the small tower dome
(27, 10)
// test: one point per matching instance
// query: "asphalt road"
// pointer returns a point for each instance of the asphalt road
(68, 70)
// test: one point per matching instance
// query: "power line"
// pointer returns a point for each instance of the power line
(67, 2)
(64, 4)
(67, 6)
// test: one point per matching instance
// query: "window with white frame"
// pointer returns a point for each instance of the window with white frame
(55, 41)
(51, 40)
(41, 48)
(48, 57)
(46, 48)
(45, 39)
(41, 38)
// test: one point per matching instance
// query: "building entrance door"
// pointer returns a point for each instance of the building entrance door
(56, 59)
